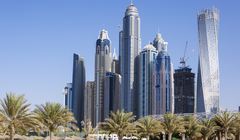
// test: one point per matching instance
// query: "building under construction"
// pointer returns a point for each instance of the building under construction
(184, 90)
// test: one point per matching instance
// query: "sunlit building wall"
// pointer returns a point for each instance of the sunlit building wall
(208, 63)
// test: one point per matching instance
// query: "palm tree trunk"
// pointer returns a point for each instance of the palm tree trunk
(206, 138)
(51, 135)
(169, 136)
(120, 137)
(225, 135)
(220, 137)
(183, 136)
(147, 137)
(12, 131)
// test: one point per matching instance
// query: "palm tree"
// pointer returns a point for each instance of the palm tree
(54, 115)
(226, 120)
(192, 128)
(208, 127)
(119, 123)
(14, 113)
(172, 124)
(235, 131)
(148, 126)
(88, 129)
(4, 130)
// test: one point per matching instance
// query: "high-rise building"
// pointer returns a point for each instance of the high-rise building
(78, 86)
(88, 101)
(158, 42)
(208, 64)
(131, 47)
(102, 65)
(162, 98)
(115, 63)
(112, 93)
(184, 91)
(147, 61)
(68, 100)
(120, 50)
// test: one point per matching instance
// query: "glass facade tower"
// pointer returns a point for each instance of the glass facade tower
(147, 61)
(208, 64)
(78, 86)
(131, 47)
(112, 94)
(162, 99)
(68, 96)
(102, 65)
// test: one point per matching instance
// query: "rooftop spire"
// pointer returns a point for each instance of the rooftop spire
(158, 29)
(114, 55)
(131, 2)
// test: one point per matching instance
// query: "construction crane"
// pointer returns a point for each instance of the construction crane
(182, 60)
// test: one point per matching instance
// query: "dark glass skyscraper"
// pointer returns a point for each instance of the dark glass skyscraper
(78, 86)
(184, 91)
(112, 94)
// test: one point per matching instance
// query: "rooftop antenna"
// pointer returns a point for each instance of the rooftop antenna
(119, 26)
(183, 61)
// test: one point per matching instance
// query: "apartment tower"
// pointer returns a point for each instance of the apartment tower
(78, 86)
(131, 47)
(147, 61)
(208, 64)
(102, 65)
(162, 99)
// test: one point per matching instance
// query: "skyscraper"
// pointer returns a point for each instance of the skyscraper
(88, 101)
(131, 47)
(147, 61)
(78, 86)
(112, 93)
(208, 64)
(102, 65)
(68, 101)
(162, 98)
(120, 50)
(184, 91)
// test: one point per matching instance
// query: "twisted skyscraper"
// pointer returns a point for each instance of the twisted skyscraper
(131, 47)
(208, 64)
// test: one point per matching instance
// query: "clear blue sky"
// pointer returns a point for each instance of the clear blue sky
(38, 39)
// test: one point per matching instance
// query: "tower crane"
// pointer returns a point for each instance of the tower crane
(183, 60)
